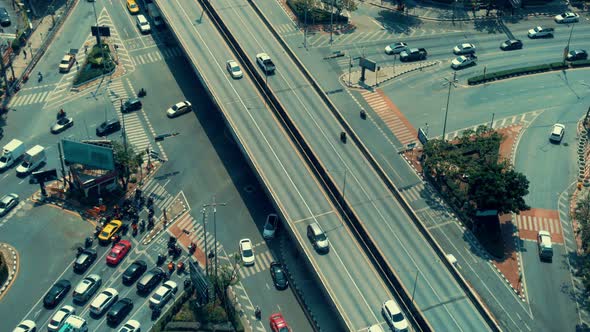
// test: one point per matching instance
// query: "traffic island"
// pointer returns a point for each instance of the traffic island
(8, 267)
(383, 75)
(99, 62)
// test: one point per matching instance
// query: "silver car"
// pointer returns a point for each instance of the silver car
(86, 288)
(7, 203)
(234, 69)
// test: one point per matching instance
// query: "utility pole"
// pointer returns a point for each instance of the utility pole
(331, 22)
(205, 237)
(305, 28)
(214, 204)
(567, 47)
(451, 83)
(349, 68)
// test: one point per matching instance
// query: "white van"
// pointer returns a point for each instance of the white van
(74, 324)
(143, 24)
(33, 159)
(545, 246)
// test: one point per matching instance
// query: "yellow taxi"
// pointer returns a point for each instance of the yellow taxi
(132, 6)
(109, 230)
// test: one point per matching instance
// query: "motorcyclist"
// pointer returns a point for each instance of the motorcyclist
(258, 312)
(61, 114)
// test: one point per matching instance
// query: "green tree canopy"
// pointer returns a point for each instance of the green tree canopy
(127, 161)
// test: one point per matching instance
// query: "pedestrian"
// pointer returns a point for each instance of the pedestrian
(85, 49)
(25, 53)
(165, 217)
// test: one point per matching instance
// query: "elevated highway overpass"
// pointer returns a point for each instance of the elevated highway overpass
(353, 285)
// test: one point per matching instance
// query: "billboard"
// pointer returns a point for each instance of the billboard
(90, 155)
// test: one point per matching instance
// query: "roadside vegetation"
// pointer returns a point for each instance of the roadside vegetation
(582, 215)
(474, 179)
(318, 12)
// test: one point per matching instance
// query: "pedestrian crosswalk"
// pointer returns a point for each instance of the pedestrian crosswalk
(395, 31)
(162, 199)
(534, 223)
(22, 98)
(192, 232)
(414, 193)
(121, 53)
(391, 116)
(286, 28)
(262, 263)
(156, 56)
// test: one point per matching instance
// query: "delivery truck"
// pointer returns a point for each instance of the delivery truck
(34, 158)
(11, 154)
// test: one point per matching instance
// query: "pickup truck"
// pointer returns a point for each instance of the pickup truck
(265, 63)
(413, 54)
(463, 61)
(539, 32)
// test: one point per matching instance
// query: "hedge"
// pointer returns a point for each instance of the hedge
(95, 65)
(502, 74)
(314, 15)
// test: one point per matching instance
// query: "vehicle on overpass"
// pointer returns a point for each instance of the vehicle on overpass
(265, 63)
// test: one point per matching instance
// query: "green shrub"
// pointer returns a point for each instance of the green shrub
(314, 15)
(558, 65)
(580, 63)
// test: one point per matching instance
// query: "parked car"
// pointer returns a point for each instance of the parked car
(109, 230)
(278, 323)
(150, 280)
(270, 226)
(463, 61)
(394, 316)
(234, 69)
(247, 252)
(4, 17)
(132, 104)
(56, 293)
(108, 127)
(26, 326)
(118, 252)
(131, 326)
(60, 317)
(318, 238)
(134, 271)
(396, 48)
(7, 203)
(577, 55)
(465, 48)
(179, 109)
(103, 301)
(62, 124)
(163, 294)
(84, 260)
(567, 17)
(119, 311)
(557, 133)
(86, 288)
(279, 275)
(511, 44)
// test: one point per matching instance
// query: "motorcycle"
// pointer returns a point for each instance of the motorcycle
(180, 267)
(141, 226)
(160, 260)
(150, 224)
(40, 77)
(258, 313)
(156, 313)
(134, 227)
(171, 267)
(88, 242)
(79, 251)
(192, 248)
(343, 137)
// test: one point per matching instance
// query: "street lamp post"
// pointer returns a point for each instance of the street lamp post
(205, 240)
(451, 83)
(214, 204)
(331, 22)
(567, 47)
(305, 28)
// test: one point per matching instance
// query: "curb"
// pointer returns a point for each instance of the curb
(11, 271)
(419, 66)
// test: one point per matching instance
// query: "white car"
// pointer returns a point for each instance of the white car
(179, 109)
(557, 133)
(394, 316)
(66, 63)
(375, 328)
(395, 48)
(131, 326)
(465, 48)
(103, 301)
(234, 69)
(60, 317)
(567, 17)
(463, 61)
(270, 226)
(7, 203)
(26, 326)
(163, 294)
(143, 24)
(87, 287)
(247, 252)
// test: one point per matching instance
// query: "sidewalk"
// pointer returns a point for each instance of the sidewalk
(440, 12)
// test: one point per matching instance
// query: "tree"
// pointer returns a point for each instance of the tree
(582, 215)
(127, 161)
(342, 5)
(495, 186)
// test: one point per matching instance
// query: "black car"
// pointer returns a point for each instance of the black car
(132, 104)
(577, 55)
(4, 17)
(279, 275)
(84, 260)
(134, 271)
(57, 293)
(150, 280)
(512, 44)
(108, 127)
(119, 310)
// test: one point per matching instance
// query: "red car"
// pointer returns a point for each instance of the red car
(118, 252)
(278, 323)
